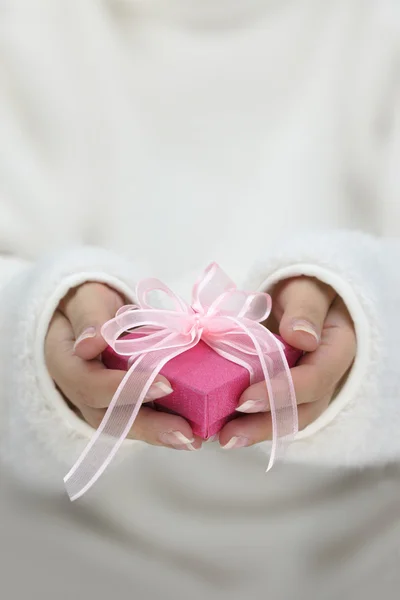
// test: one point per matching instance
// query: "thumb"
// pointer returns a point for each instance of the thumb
(87, 308)
(301, 307)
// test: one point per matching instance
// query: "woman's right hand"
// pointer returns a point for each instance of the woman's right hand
(73, 351)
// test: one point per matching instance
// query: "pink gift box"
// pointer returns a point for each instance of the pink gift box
(207, 387)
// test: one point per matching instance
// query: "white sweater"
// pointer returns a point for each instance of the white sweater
(149, 138)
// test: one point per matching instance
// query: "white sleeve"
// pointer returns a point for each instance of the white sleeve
(362, 424)
(41, 437)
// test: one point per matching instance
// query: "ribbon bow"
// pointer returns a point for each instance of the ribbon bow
(227, 319)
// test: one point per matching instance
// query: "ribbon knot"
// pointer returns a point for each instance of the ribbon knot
(227, 319)
(198, 324)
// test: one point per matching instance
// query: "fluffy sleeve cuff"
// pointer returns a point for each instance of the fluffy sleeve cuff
(41, 436)
(362, 424)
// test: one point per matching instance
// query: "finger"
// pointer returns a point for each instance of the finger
(248, 430)
(86, 383)
(87, 308)
(155, 428)
(318, 373)
(301, 305)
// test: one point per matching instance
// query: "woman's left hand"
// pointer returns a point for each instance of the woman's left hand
(310, 316)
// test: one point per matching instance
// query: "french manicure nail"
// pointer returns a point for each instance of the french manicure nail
(158, 390)
(90, 332)
(306, 327)
(236, 442)
(177, 440)
(252, 406)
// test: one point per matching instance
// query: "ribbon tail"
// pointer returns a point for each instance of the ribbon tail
(118, 420)
(279, 383)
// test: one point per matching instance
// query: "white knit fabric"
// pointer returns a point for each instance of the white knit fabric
(149, 139)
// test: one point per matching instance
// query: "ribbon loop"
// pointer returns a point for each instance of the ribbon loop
(209, 287)
(148, 286)
(227, 319)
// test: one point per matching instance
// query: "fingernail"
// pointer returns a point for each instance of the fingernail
(158, 390)
(252, 406)
(177, 440)
(213, 438)
(306, 327)
(236, 442)
(90, 332)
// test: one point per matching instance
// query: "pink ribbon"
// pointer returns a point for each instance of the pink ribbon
(228, 320)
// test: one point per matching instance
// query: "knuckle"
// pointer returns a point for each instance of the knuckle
(91, 303)
(308, 413)
(77, 296)
(138, 434)
(90, 287)
(257, 391)
(93, 417)
(139, 431)
(323, 384)
(311, 312)
(57, 347)
(85, 397)
(96, 390)
(327, 382)
(102, 292)
(69, 301)
(50, 347)
(81, 321)
(96, 418)
(351, 339)
(310, 297)
(305, 415)
(52, 363)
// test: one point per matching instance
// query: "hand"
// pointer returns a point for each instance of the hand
(73, 349)
(310, 316)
